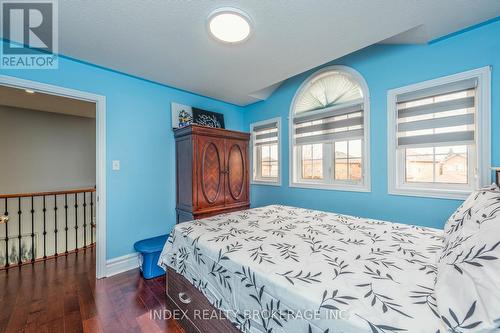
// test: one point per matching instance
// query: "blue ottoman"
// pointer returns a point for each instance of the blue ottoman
(150, 250)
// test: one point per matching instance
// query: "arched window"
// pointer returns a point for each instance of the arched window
(329, 131)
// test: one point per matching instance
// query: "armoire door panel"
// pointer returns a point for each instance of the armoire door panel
(237, 168)
(211, 172)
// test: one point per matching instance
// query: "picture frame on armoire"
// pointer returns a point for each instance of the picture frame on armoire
(208, 118)
(182, 115)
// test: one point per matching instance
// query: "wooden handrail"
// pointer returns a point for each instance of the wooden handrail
(41, 194)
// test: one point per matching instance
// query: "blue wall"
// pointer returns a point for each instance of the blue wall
(385, 67)
(141, 196)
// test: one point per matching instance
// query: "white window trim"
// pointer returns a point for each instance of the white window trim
(483, 144)
(270, 182)
(365, 185)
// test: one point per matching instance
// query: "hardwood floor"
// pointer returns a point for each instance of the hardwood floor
(62, 295)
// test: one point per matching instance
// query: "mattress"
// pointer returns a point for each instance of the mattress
(288, 269)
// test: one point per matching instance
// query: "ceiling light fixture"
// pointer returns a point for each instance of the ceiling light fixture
(229, 25)
(29, 91)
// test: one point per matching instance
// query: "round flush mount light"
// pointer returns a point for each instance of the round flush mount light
(229, 25)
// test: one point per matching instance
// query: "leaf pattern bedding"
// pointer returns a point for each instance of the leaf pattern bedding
(287, 269)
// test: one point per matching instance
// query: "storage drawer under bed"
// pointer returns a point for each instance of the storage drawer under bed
(200, 316)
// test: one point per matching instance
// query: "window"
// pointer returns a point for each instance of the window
(348, 160)
(447, 165)
(312, 161)
(438, 145)
(329, 131)
(266, 151)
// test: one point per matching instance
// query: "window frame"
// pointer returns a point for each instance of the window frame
(478, 169)
(295, 163)
(255, 155)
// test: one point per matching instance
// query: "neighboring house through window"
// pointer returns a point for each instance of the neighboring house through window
(439, 136)
(329, 131)
(266, 151)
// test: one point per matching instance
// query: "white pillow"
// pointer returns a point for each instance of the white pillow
(469, 216)
(468, 272)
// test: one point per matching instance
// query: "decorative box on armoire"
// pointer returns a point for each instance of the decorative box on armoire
(212, 171)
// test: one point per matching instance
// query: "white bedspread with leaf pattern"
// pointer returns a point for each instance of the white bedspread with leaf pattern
(286, 269)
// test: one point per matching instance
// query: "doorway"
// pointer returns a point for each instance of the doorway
(47, 222)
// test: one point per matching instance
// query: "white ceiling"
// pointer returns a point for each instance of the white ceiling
(19, 98)
(167, 41)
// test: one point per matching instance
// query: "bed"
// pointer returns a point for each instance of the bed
(288, 269)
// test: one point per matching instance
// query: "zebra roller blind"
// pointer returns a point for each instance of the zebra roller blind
(340, 122)
(437, 116)
(266, 134)
(329, 108)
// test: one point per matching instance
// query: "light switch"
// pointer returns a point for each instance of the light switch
(116, 165)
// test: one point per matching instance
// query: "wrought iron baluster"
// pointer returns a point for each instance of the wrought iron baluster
(44, 229)
(84, 219)
(92, 226)
(76, 221)
(19, 253)
(32, 230)
(55, 225)
(66, 220)
(6, 213)
(19, 212)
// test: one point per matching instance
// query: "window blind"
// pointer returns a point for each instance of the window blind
(340, 122)
(441, 115)
(266, 134)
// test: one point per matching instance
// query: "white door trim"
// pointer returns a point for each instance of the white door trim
(100, 102)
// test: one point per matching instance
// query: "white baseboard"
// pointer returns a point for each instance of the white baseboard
(122, 264)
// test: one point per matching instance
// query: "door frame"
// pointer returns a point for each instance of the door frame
(100, 102)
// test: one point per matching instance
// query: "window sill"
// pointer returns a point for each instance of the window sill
(431, 193)
(263, 182)
(333, 187)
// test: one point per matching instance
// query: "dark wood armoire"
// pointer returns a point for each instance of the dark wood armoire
(212, 171)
